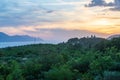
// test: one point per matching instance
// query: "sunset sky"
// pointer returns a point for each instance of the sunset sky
(60, 20)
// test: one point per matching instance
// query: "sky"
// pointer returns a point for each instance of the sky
(59, 20)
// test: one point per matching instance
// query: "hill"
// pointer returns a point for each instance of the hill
(113, 36)
(71, 60)
(85, 42)
(17, 38)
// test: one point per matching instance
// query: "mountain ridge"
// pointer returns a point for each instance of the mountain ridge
(113, 36)
(17, 38)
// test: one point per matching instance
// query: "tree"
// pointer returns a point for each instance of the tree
(99, 65)
(61, 73)
(16, 72)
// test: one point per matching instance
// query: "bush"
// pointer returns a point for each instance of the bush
(16, 72)
(1, 77)
(61, 73)
(101, 64)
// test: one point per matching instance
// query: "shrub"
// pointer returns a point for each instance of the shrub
(61, 73)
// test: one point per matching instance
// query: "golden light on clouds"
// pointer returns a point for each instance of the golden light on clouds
(64, 15)
(101, 22)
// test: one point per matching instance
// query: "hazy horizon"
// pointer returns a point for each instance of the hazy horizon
(56, 41)
(59, 20)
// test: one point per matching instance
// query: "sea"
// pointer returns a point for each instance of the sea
(14, 44)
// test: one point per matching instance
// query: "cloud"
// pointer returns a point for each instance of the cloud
(18, 13)
(70, 16)
(96, 3)
(115, 4)
(22, 12)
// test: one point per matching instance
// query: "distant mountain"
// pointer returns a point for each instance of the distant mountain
(17, 38)
(113, 36)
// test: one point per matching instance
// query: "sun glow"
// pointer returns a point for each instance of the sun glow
(102, 22)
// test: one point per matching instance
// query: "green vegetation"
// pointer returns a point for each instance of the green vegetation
(88, 58)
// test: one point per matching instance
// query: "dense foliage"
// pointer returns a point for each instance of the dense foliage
(88, 58)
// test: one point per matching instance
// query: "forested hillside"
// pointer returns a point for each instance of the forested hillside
(88, 58)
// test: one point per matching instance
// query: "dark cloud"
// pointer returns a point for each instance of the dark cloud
(115, 4)
(96, 3)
